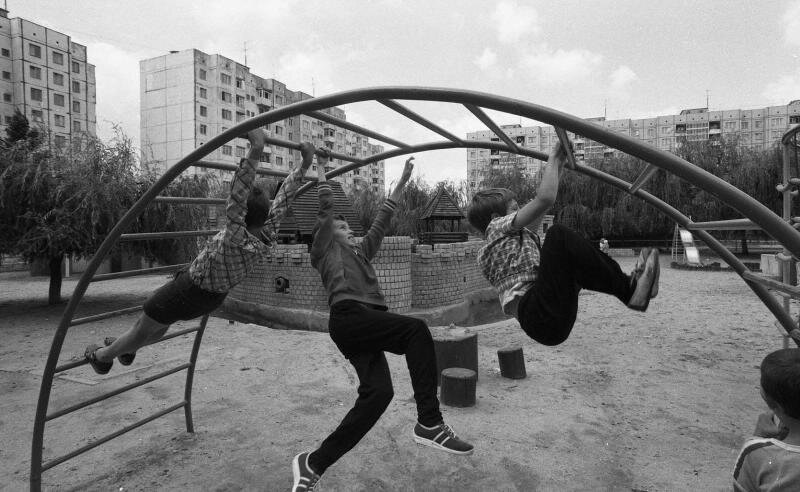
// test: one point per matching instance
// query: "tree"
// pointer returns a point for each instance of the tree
(64, 201)
(17, 128)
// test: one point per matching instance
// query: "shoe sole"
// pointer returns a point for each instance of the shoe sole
(641, 300)
(296, 471)
(434, 445)
(124, 359)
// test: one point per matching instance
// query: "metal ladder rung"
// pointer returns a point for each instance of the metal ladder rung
(49, 464)
(109, 314)
(141, 236)
(105, 396)
(135, 273)
(777, 285)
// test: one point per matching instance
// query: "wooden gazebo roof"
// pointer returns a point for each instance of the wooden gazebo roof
(441, 206)
(303, 213)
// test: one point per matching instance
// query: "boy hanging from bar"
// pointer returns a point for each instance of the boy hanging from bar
(226, 259)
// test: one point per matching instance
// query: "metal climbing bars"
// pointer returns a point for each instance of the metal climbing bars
(755, 214)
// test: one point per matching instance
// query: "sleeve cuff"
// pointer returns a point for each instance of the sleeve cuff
(390, 204)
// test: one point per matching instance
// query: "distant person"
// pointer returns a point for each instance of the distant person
(363, 329)
(539, 284)
(771, 462)
(225, 260)
(604, 245)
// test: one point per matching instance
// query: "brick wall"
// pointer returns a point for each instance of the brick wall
(421, 279)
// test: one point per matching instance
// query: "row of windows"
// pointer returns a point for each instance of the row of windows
(58, 58)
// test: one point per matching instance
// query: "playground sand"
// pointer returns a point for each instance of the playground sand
(645, 402)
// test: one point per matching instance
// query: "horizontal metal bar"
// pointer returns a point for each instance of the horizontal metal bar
(649, 171)
(123, 389)
(564, 139)
(296, 146)
(234, 167)
(478, 112)
(110, 314)
(724, 225)
(135, 273)
(773, 284)
(143, 236)
(355, 128)
(419, 119)
(175, 334)
(189, 200)
(102, 440)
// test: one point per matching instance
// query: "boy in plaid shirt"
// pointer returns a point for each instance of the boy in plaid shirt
(539, 284)
(226, 259)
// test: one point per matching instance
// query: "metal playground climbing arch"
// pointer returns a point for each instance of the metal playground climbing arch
(754, 216)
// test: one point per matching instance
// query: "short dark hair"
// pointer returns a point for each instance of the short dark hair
(316, 225)
(257, 208)
(486, 205)
(780, 379)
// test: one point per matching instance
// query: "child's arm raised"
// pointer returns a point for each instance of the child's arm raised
(324, 226)
(533, 212)
(242, 183)
(283, 199)
(374, 237)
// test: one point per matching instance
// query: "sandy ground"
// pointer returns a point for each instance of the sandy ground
(632, 401)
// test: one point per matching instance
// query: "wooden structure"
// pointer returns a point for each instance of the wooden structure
(442, 207)
(458, 387)
(298, 224)
(512, 363)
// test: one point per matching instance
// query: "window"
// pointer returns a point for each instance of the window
(58, 99)
(226, 150)
(60, 140)
(58, 79)
(374, 180)
(305, 125)
(264, 157)
(201, 74)
(290, 135)
(239, 151)
(35, 50)
(203, 129)
(278, 130)
(203, 93)
(36, 72)
(76, 126)
(76, 67)
(59, 119)
(6, 75)
(36, 115)
(758, 123)
(745, 125)
(278, 161)
(58, 58)
(226, 96)
(239, 82)
(7, 119)
(226, 114)
(203, 111)
(240, 101)
(76, 87)
(7, 97)
(76, 106)
(521, 140)
(225, 78)
(36, 94)
(5, 52)
(239, 116)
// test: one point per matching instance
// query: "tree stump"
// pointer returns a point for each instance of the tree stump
(512, 363)
(454, 347)
(458, 387)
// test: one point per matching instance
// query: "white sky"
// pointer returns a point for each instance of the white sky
(637, 58)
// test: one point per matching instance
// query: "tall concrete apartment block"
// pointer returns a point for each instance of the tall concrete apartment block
(188, 97)
(46, 76)
(754, 128)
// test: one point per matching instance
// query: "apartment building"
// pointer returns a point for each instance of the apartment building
(188, 97)
(47, 77)
(754, 128)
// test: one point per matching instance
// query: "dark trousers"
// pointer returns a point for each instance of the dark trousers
(568, 263)
(362, 334)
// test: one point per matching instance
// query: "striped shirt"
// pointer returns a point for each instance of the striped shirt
(509, 260)
(767, 465)
(233, 252)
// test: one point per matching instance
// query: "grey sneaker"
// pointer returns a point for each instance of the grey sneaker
(441, 437)
(645, 281)
(304, 477)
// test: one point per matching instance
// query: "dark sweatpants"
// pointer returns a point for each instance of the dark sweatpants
(362, 333)
(568, 263)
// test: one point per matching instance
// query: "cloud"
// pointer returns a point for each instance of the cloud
(513, 21)
(784, 89)
(791, 21)
(486, 60)
(117, 77)
(560, 66)
(622, 77)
